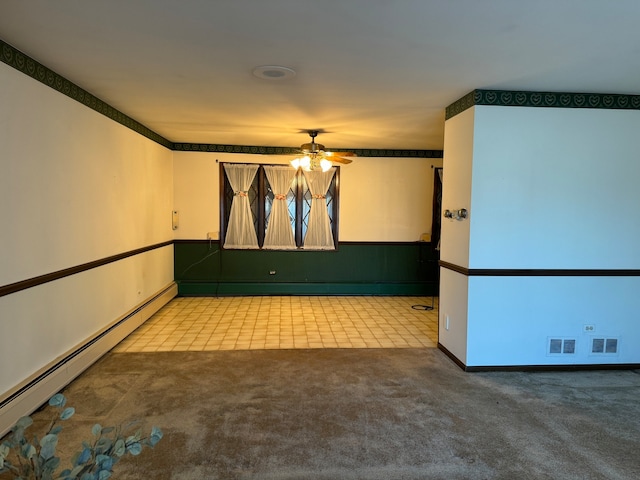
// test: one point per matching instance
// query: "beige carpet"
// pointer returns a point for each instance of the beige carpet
(360, 414)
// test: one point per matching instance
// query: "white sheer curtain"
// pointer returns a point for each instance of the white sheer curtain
(241, 232)
(279, 231)
(319, 236)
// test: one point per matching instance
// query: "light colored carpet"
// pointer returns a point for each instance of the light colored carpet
(360, 414)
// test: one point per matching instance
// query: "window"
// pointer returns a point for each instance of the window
(276, 207)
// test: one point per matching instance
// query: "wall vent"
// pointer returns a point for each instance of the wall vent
(560, 346)
(604, 346)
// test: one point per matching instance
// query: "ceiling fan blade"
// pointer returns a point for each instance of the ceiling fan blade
(337, 159)
(342, 154)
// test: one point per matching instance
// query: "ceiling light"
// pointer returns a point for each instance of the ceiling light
(274, 72)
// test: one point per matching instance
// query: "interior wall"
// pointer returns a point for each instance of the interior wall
(454, 242)
(511, 320)
(381, 199)
(548, 189)
(453, 311)
(77, 188)
(456, 187)
(555, 188)
(387, 199)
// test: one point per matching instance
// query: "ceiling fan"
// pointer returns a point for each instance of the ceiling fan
(315, 156)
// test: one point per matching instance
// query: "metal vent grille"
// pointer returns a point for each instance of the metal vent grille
(604, 346)
(560, 346)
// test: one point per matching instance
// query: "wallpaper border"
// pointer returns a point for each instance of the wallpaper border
(518, 98)
(259, 150)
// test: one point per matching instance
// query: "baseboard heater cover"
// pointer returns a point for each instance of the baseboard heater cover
(37, 389)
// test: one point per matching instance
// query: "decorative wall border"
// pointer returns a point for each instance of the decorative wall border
(508, 98)
(27, 65)
(259, 150)
(540, 272)
(248, 149)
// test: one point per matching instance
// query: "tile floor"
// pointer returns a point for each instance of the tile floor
(287, 322)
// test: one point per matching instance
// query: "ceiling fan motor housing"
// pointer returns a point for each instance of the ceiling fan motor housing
(312, 147)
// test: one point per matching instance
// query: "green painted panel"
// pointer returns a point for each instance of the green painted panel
(201, 268)
(230, 289)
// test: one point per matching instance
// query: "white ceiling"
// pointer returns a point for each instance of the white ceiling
(370, 73)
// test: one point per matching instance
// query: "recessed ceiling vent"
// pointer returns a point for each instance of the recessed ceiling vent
(274, 72)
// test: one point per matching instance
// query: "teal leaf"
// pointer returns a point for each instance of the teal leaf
(58, 400)
(28, 451)
(48, 444)
(107, 430)
(83, 457)
(56, 430)
(119, 448)
(51, 464)
(49, 439)
(96, 430)
(74, 473)
(156, 436)
(103, 445)
(67, 413)
(24, 422)
(104, 474)
(106, 463)
(18, 435)
(134, 448)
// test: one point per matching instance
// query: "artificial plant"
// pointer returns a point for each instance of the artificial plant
(33, 458)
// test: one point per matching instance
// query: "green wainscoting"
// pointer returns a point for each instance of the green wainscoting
(202, 268)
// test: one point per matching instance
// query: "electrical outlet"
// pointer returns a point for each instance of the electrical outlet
(589, 328)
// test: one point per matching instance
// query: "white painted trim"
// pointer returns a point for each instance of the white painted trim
(38, 388)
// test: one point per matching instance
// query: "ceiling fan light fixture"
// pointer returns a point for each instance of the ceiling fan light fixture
(274, 72)
(325, 165)
(305, 162)
(316, 157)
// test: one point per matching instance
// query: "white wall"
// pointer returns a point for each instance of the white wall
(456, 187)
(386, 199)
(550, 189)
(196, 189)
(555, 188)
(381, 199)
(511, 319)
(453, 313)
(75, 187)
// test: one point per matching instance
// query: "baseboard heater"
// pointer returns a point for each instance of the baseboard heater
(37, 389)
